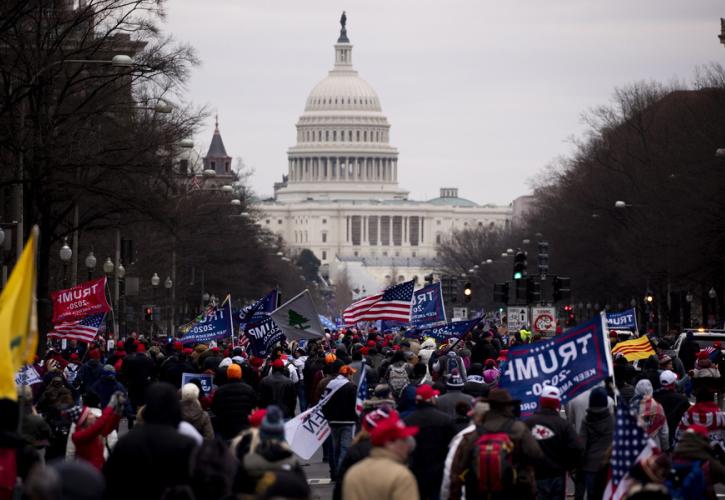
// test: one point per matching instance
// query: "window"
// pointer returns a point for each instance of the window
(327, 135)
(385, 254)
(324, 237)
(324, 255)
(397, 230)
(183, 166)
(267, 221)
(213, 166)
(334, 135)
(226, 167)
(355, 253)
(356, 227)
(385, 230)
(397, 254)
(414, 230)
(401, 278)
(438, 222)
(358, 136)
(413, 254)
(324, 221)
(279, 221)
(349, 135)
(438, 239)
(373, 230)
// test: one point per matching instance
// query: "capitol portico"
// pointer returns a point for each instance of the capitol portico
(341, 198)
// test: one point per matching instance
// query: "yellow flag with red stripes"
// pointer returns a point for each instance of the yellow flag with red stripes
(639, 348)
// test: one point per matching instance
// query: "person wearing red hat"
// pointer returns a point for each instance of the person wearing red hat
(436, 429)
(694, 445)
(558, 441)
(278, 389)
(383, 475)
(90, 429)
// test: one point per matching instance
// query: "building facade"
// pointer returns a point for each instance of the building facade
(340, 197)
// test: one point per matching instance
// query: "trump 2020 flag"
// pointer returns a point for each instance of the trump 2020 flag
(574, 362)
(216, 324)
(259, 332)
(298, 318)
(455, 330)
(428, 306)
(623, 320)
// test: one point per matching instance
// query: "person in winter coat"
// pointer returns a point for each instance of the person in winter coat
(435, 431)
(597, 433)
(454, 395)
(340, 414)
(277, 389)
(705, 412)
(398, 373)
(673, 402)
(33, 428)
(107, 385)
(484, 349)
(650, 371)
(475, 385)
(271, 453)
(19, 457)
(361, 445)
(694, 445)
(650, 414)
(688, 351)
(157, 455)
(90, 430)
(192, 412)
(558, 441)
(136, 374)
(526, 452)
(232, 404)
(383, 475)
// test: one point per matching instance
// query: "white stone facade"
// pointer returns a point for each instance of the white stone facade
(341, 199)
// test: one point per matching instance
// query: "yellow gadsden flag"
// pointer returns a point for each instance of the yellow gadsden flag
(634, 349)
(18, 319)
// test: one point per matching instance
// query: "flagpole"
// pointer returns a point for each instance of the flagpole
(231, 321)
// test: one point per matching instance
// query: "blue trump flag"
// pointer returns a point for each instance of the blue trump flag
(573, 361)
(624, 320)
(444, 333)
(427, 308)
(258, 327)
(327, 323)
(216, 324)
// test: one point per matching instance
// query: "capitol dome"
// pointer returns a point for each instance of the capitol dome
(343, 150)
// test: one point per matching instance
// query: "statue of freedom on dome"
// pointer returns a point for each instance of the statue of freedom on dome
(343, 20)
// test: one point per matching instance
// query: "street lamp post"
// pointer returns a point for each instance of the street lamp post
(121, 299)
(65, 255)
(168, 284)
(155, 280)
(90, 264)
(108, 268)
(688, 299)
(713, 312)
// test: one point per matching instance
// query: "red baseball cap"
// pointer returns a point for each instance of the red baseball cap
(278, 363)
(371, 419)
(425, 393)
(391, 429)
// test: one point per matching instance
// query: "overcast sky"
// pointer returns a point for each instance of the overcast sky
(481, 94)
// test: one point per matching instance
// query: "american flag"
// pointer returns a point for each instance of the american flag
(631, 445)
(392, 304)
(84, 329)
(362, 390)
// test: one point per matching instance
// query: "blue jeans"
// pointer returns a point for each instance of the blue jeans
(551, 488)
(341, 438)
(302, 396)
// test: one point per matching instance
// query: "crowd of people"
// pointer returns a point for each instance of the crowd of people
(208, 421)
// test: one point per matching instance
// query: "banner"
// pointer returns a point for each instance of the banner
(574, 361)
(427, 308)
(258, 327)
(298, 318)
(327, 323)
(215, 325)
(624, 320)
(444, 333)
(205, 379)
(306, 432)
(80, 301)
(28, 375)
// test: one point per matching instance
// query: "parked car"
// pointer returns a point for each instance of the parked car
(704, 339)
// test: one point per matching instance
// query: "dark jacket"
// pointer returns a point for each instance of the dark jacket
(675, 405)
(157, 457)
(340, 409)
(232, 404)
(277, 389)
(136, 374)
(693, 446)
(476, 389)
(436, 429)
(88, 374)
(482, 351)
(596, 434)
(526, 454)
(558, 440)
(448, 401)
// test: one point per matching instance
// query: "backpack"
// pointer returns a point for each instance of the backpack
(687, 480)
(398, 379)
(492, 461)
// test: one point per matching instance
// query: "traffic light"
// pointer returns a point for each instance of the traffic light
(519, 264)
(468, 292)
(569, 314)
(501, 292)
(148, 313)
(649, 298)
(533, 291)
(562, 288)
(543, 259)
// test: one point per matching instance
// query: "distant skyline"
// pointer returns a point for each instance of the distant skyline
(481, 95)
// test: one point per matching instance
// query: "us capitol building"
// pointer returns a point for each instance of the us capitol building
(341, 198)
